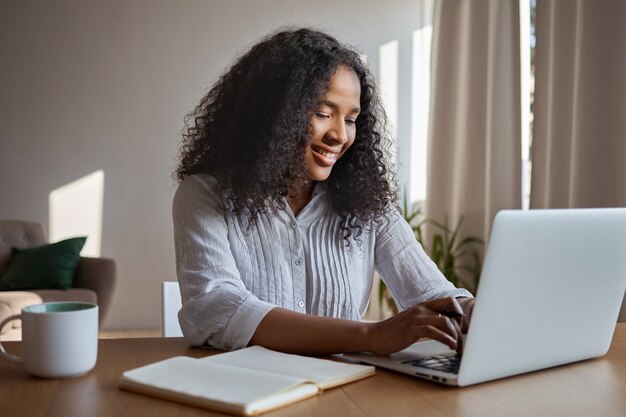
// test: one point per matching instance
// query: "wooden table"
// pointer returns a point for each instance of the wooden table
(591, 388)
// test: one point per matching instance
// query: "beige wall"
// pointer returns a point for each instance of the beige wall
(103, 85)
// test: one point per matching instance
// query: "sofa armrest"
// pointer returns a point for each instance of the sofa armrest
(97, 274)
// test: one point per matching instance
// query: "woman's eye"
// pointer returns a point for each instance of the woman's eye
(322, 115)
(350, 122)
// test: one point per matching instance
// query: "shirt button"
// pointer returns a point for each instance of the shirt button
(294, 224)
(299, 261)
(300, 303)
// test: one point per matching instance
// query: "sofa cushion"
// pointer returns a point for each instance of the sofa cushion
(13, 302)
(82, 295)
(47, 266)
(5, 312)
(19, 234)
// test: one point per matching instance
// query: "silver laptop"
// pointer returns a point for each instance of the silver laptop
(550, 293)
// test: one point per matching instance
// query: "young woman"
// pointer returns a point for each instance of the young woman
(285, 207)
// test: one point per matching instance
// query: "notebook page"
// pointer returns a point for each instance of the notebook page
(213, 382)
(325, 372)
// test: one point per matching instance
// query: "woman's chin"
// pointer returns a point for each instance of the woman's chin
(319, 174)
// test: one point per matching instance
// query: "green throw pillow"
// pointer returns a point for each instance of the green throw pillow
(43, 267)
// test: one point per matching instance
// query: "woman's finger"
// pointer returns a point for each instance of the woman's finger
(447, 325)
(435, 333)
(447, 305)
(459, 333)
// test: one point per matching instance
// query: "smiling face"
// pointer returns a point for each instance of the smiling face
(333, 124)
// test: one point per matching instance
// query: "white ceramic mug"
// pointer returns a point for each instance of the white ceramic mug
(58, 339)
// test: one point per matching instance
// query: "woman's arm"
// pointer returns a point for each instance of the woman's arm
(217, 307)
(413, 277)
(292, 332)
(406, 268)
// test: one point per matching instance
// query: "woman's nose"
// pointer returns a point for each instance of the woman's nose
(338, 132)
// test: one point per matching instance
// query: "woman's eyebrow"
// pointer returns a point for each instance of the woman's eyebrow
(335, 106)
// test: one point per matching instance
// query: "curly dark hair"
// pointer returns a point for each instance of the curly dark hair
(252, 128)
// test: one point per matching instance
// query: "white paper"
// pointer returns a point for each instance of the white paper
(325, 372)
(212, 381)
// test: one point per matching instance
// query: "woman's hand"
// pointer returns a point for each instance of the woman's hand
(441, 320)
(467, 304)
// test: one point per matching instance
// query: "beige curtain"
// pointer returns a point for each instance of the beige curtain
(474, 136)
(579, 132)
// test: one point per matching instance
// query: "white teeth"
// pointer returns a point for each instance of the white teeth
(330, 155)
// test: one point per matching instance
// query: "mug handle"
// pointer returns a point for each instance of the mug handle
(3, 353)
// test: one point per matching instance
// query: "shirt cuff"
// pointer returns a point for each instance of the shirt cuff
(243, 323)
(436, 294)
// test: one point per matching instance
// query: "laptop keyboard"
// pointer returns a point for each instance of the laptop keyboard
(443, 363)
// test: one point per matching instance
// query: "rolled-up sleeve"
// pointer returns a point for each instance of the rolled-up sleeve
(217, 308)
(406, 269)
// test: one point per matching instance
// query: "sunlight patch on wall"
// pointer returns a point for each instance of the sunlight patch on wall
(420, 109)
(388, 70)
(75, 209)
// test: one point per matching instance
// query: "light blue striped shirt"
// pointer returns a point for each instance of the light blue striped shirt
(231, 276)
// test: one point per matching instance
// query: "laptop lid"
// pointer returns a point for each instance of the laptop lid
(550, 291)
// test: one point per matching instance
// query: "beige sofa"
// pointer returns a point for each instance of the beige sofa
(94, 280)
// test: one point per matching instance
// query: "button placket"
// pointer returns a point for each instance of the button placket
(298, 266)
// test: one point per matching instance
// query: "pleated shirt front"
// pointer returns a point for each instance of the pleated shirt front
(231, 275)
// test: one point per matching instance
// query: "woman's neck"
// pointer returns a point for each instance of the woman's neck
(300, 197)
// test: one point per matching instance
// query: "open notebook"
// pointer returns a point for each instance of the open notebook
(247, 382)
